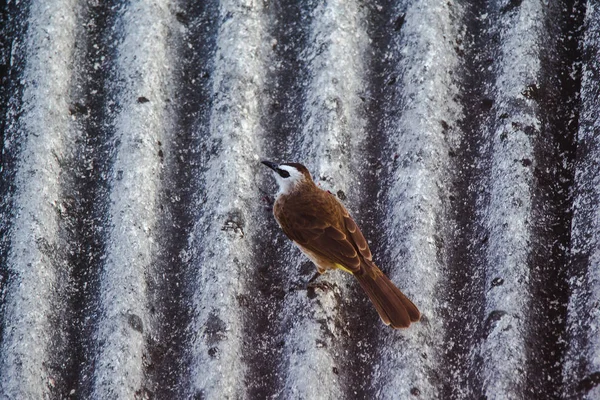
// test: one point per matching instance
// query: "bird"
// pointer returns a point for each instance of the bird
(322, 228)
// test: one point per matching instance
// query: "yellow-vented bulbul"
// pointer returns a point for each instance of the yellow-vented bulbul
(324, 230)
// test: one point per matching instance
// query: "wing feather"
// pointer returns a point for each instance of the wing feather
(358, 238)
(326, 229)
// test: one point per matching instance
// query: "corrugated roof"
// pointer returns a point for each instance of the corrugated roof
(139, 257)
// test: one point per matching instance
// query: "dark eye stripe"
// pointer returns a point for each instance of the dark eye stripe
(283, 173)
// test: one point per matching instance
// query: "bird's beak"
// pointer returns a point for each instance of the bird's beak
(270, 164)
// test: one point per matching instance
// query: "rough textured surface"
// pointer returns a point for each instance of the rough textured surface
(138, 254)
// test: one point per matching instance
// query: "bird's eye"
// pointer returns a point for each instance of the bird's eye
(283, 173)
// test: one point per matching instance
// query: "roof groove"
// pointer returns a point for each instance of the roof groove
(138, 254)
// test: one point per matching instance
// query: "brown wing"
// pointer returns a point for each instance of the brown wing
(357, 237)
(322, 225)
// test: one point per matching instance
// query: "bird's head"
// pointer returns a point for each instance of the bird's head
(289, 176)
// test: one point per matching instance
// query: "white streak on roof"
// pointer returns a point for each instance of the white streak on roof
(33, 259)
(507, 214)
(332, 129)
(220, 243)
(415, 198)
(583, 324)
(142, 70)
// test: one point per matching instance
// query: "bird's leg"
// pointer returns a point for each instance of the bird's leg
(268, 203)
(314, 278)
(311, 285)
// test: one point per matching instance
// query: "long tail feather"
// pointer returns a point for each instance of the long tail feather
(394, 308)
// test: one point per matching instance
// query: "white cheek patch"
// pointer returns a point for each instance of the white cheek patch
(287, 185)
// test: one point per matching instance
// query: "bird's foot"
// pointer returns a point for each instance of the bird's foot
(314, 278)
(305, 285)
(313, 284)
